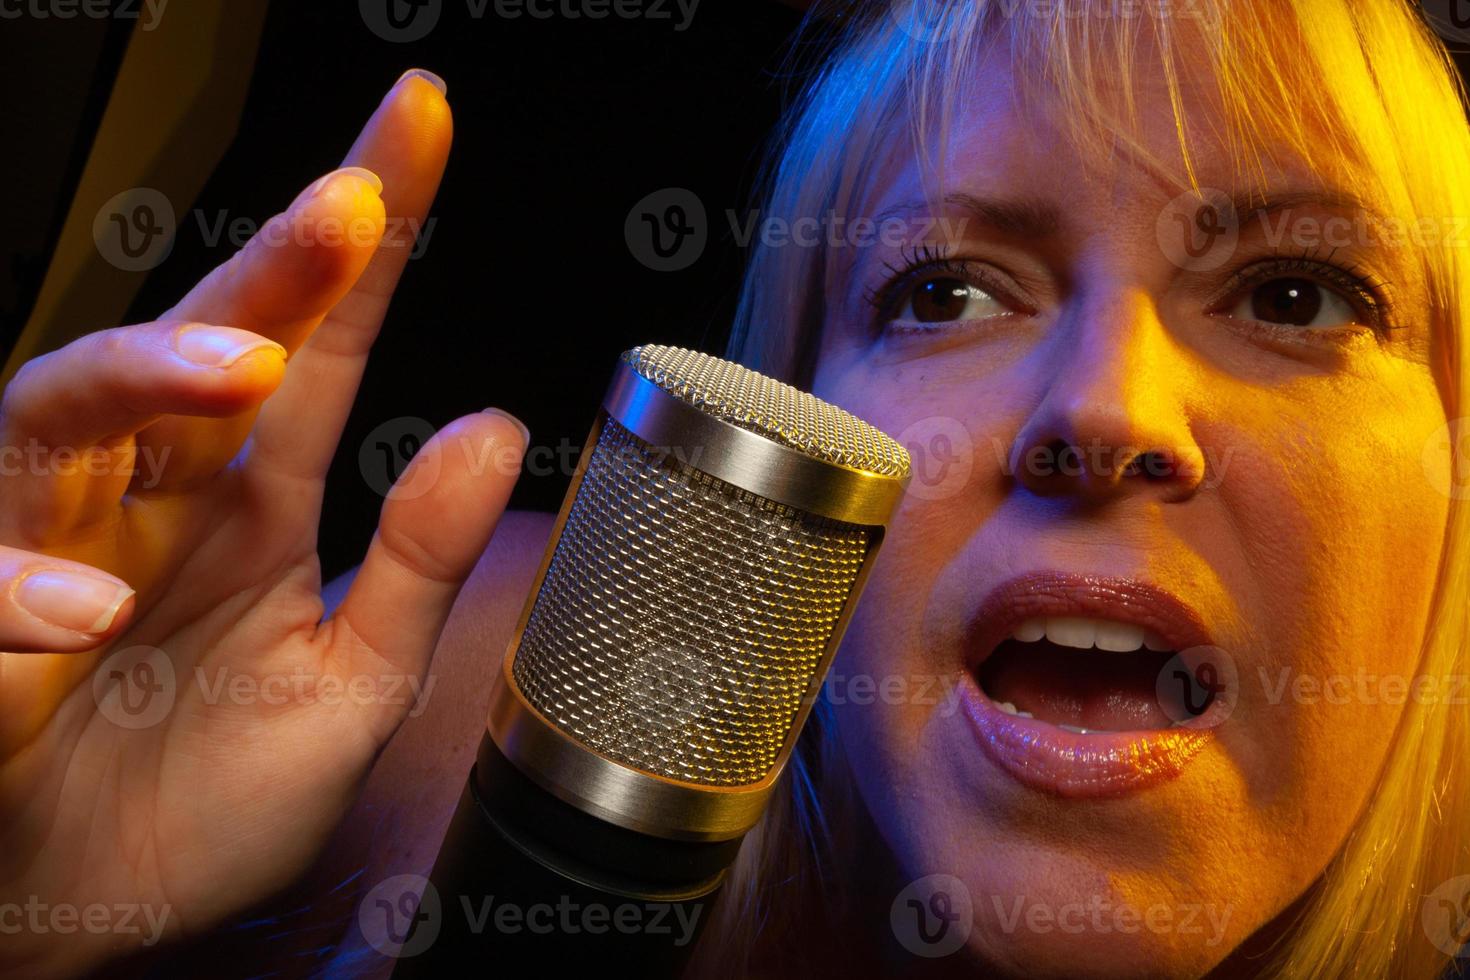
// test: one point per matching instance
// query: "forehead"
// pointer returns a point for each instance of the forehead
(1003, 139)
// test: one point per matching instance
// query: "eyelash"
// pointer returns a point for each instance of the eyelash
(1363, 289)
(925, 261)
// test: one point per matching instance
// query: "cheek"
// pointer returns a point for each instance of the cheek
(894, 684)
(1327, 531)
(953, 491)
(958, 428)
(881, 681)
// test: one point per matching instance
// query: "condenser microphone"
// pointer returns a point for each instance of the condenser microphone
(703, 567)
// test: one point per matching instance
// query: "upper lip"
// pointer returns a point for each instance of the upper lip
(1053, 593)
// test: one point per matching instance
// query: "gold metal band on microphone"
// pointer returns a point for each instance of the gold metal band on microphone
(611, 790)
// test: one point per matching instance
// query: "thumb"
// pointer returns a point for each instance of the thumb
(435, 523)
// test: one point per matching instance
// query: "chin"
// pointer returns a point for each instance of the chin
(1069, 923)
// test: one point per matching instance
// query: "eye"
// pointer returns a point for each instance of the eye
(947, 299)
(1294, 301)
(928, 290)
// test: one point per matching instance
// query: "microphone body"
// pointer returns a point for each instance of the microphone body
(704, 564)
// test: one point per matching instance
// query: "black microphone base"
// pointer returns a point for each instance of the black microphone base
(526, 880)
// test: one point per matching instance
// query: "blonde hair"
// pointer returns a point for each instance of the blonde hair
(1356, 89)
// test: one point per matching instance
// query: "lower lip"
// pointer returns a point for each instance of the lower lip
(1099, 764)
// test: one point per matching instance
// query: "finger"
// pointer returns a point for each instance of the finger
(435, 523)
(67, 418)
(407, 143)
(49, 605)
(300, 263)
(295, 269)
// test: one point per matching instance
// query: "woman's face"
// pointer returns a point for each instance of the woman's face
(1135, 425)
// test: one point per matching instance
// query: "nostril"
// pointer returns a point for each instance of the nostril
(1179, 472)
(1153, 465)
(1096, 468)
(1045, 460)
(1060, 457)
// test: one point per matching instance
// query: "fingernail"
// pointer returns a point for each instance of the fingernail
(525, 432)
(427, 76)
(219, 347)
(363, 172)
(72, 601)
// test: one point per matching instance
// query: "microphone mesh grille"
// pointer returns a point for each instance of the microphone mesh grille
(770, 408)
(681, 619)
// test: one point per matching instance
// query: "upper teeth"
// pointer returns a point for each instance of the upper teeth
(1084, 633)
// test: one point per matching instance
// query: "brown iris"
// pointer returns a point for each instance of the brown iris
(940, 300)
(1292, 301)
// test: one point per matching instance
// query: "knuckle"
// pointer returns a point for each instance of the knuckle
(20, 394)
(119, 344)
(414, 556)
(108, 345)
(48, 387)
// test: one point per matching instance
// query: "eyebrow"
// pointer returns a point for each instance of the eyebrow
(1019, 218)
(1257, 204)
(1029, 218)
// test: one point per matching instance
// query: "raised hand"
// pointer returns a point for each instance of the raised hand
(179, 729)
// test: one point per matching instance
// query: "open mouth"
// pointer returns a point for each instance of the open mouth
(1083, 686)
(1084, 674)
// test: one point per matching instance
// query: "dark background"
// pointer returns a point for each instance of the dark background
(527, 290)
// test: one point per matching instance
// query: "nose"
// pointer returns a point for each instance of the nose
(1112, 423)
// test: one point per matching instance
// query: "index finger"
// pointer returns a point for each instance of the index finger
(408, 144)
(290, 294)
